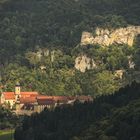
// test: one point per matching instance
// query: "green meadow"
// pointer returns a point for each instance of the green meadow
(6, 134)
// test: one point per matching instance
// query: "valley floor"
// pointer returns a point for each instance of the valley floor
(6, 134)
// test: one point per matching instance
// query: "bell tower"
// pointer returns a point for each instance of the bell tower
(17, 91)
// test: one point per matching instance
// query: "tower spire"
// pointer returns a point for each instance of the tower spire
(17, 91)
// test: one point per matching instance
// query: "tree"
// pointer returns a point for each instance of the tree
(105, 83)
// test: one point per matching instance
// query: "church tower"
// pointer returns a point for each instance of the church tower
(17, 92)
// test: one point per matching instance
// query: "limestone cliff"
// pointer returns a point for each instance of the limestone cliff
(83, 62)
(105, 37)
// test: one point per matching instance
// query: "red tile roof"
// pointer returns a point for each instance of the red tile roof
(28, 100)
(29, 94)
(84, 98)
(44, 97)
(9, 95)
(60, 99)
(45, 101)
(25, 95)
(55, 98)
(33, 97)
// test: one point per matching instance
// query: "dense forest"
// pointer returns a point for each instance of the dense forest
(39, 42)
(8, 120)
(112, 117)
(39, 39)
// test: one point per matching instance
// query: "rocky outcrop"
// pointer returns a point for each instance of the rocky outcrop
(131, 63)
(119, 74)
(105, 37)
(84, 63)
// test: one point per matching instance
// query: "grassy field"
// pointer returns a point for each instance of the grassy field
(6, 135)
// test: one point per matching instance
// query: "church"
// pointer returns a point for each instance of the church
(28, 102)
(12, 98)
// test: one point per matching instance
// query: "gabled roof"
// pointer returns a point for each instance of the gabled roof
(60, 98)
(29, 94)
(54, 98)
(33, 97)
(84, 98)
(9, 95)
(28, 100)
(45, 101)
(44, 97)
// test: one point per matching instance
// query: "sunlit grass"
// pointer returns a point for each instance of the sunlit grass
(6, 134)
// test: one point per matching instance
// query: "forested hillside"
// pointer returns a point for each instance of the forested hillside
(113, 117)
(8, 120)
(39, 39)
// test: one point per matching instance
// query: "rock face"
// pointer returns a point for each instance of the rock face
(105, 37)
(119, 73)
(131, 63)
(84, 63)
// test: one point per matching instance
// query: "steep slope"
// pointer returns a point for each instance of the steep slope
(114, 117)
(27, 24)
(38, 45)
(105, 38)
